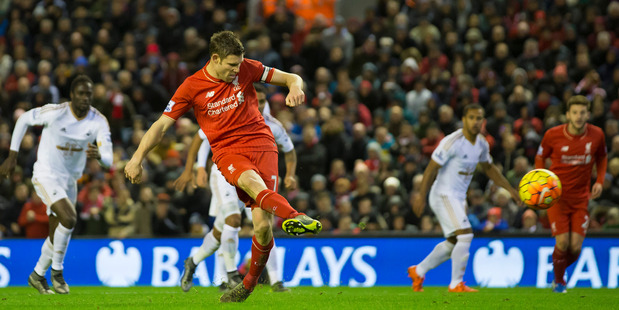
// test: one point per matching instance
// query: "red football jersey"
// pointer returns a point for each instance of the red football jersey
(573, 158)
(226, 112)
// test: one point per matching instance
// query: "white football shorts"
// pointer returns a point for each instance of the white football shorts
(224, 200)
(450, 211)
(52, 188)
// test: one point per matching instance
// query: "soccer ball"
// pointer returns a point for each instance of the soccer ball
(540, 189)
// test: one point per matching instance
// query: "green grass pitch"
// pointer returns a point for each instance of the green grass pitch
(310, 298)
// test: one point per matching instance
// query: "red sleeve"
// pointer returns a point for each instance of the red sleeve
(543, 152)
(601, 160)
(181, 102)
(259, 72)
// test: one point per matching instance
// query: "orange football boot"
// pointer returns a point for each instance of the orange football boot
(461, 288)
(417, 280)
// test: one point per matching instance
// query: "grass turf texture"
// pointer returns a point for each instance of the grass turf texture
(310, 298)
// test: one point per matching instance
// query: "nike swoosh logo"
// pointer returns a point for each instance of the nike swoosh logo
(542, 194)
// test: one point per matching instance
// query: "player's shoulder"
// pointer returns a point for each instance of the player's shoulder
(595, 130)
(271, 120)
(96, 114)
(481, 139)
(50, 107)
(251, 62)
(556, 130)
(452, 139)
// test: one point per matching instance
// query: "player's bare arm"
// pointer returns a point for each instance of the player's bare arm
(8, 165)
(429, 175)
(296, 96)
(187, 176)
(493, 172)
(290, 181)
(133, 169)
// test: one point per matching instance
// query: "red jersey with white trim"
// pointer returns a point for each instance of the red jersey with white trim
(226, 112)
(573, 158)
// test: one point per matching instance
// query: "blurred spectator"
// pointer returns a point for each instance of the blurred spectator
(311, 157)
(530, 223)
(494, 222)
(144, 211)
(33, 218)
(612, 219)
(120, 215)
(166, 222)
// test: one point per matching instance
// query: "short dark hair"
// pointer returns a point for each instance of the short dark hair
(260, 88)
(225, 43)
(472, 106)
(578, 100)
(80, 79)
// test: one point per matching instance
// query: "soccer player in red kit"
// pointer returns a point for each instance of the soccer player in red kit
(224, 101)
(573, 148)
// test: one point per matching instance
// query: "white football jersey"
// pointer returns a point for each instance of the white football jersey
(64, 140)
(458, 158)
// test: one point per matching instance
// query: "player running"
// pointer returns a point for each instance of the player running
(72, 132)
(225, 105)
(450, 172)
(225, 203)
(572, 148)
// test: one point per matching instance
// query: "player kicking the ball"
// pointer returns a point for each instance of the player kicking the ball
(224, 103)
(450, 172)
(70, 131)
(573, 148)
(224, 204)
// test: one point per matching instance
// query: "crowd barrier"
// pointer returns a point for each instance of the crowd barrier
(494, 262)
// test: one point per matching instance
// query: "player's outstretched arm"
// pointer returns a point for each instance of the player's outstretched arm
(187, 176)
(493, 172)
(429, 175)
(296, 96)
(290, 181)
(21, 126)
(133, 169)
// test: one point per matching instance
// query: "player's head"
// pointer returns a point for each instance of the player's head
(226, 55)
(577, 112)
(472, 118)
(261, 95)
(81, 94)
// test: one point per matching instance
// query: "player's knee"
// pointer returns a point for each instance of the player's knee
(262, 228)
(465, 238)
(234, 220)
(217, 234)
(68, 220)
(562, 245)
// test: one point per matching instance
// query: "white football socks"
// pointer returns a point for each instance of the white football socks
(272, 266)
(62, 236)
(45, 260)
(229, 246)
(208, 247)
(460, 258)
(439, 255)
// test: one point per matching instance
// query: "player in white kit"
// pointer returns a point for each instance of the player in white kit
(72, 132)
(226, 206)
(450, 171)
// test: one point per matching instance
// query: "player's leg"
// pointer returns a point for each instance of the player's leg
(579, 223)
(273, 270)
(209, 245)
(262, 242)
(459, 260)
(559, 223)
(67, 217)
(230, 246)
(37, 277)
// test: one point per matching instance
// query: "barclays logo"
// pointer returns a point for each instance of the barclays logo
(117, 267)
(492, 267)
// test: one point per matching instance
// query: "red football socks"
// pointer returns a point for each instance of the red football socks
(259, 257)
(275, 203)
(572, 257)
(560, 263)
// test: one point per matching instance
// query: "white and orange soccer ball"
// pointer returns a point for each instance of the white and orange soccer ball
(540, 189)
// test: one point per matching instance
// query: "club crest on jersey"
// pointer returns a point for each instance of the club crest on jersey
(236, 84)
(231, 168)
(588, 148)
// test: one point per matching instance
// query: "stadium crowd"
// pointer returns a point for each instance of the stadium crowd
(382, 90)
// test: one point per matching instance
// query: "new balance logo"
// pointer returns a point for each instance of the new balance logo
(465, 157)
(210, 94)
(231, 168)
(63, 129)
(565, 148)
